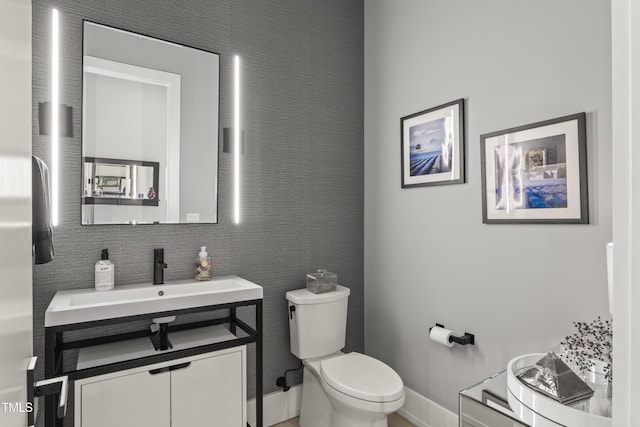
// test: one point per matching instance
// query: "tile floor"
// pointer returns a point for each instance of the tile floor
(395, 420)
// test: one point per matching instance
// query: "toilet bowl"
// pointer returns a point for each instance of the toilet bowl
(349, 390)
(338, 389)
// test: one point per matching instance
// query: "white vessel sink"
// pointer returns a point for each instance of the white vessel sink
(86, 305)
(541, 411)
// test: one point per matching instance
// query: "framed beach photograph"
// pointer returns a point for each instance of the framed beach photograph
(536, 173)
(432, 146)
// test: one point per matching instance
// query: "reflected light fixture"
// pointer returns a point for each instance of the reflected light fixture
(55, 114)
(236, 139)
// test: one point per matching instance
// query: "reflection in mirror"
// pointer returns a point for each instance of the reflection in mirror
(155, 102)
(117, 190)
(113, 181)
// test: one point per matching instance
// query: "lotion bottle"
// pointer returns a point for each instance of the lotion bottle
(104, 272)
(203, 269)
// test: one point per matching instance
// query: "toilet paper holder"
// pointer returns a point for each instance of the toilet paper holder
(465, 339)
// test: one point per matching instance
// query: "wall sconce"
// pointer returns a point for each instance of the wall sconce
(228, 141)
(65, 121)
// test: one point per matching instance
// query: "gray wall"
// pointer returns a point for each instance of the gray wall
(428, 257)
(302, 172)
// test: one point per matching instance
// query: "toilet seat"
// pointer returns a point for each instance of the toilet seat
(362, 377)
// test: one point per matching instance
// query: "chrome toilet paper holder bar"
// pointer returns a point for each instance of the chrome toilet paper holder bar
(467, 338)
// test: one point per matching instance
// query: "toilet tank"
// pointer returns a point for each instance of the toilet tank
(317, 322)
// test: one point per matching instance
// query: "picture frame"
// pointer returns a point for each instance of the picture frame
(536, 173)
(433, 146)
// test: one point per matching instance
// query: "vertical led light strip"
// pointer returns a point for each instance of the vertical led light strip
(236, 140)
(55, 121)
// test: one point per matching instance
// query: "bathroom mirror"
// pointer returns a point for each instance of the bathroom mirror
(149, 129)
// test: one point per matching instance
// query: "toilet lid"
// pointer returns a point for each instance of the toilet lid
(362, 377)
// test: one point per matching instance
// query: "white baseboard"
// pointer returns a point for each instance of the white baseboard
(281, 406)
(278, 406)
(425, 413)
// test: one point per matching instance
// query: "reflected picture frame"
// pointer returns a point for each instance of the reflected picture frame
(536, 173)
(432, 146)
(108, 190)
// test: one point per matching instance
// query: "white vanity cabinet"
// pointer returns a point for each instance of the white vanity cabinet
(111, 380)
(124, 399)
(204, 390)
(211, 391)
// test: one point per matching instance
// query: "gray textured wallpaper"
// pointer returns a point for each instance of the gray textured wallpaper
(302, 171)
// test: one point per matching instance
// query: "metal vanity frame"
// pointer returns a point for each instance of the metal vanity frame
(55, 347)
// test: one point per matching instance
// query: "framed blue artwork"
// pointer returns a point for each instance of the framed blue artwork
(432, 146)
(536, 173)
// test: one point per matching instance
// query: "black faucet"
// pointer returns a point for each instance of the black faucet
(160, 338)
(158, 266)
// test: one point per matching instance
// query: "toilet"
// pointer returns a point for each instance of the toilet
(338, 389)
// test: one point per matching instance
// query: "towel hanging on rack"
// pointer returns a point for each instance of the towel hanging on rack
(42, 232)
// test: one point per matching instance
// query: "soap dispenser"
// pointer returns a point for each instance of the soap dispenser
(203, 269)
(104, 272)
